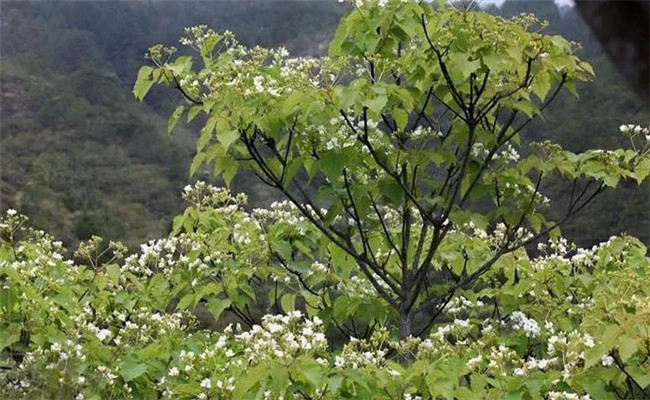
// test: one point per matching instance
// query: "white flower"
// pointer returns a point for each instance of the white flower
(11, 211)
(206, 383)
(173, 371)
(257, 82)
(607, 360)
(81, 379)
(103, 334)
(529, 325)
(473, 362)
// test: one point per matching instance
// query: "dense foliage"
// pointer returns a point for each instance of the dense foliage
(402, 264)
(568, 323)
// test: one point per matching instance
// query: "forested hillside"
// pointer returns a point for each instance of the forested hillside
(81, 157)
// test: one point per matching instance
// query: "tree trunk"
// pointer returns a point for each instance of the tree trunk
(405, 320)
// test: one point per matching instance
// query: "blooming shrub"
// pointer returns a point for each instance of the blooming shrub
(567, 323)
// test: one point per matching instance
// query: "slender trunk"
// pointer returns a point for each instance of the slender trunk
(405, 321)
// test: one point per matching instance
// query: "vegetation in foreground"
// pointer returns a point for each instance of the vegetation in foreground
(82, 158)
(568, 323)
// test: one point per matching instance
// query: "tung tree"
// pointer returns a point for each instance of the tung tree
(400, 146)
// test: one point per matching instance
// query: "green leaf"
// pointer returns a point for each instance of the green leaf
(541, 85)
(313, 374)
(173, 118)
(113, 271)
(249, 380)
(8, 336)
(288, 302)
(204, 139)
(627, 346)
(292, 103)
(227, 137)
(130, 369)
(401, 117)
(640, 376)
(283, 248)
(193, 112)
(216, 306)
(392, 190)
(177, 223)
(463, 65)
(377, 104)
(181, 65)
(143, 83)
(196, 162)
(186, 301)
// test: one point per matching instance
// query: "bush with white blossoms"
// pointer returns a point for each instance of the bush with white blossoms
(400, 265)
(567, 323)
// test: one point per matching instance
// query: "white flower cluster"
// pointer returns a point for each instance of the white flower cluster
(318, 268)
(588, 257)
(521, 322)
(203, 195)
(476, 231)
(339, 135)
(570, 348)
(633, 130)
(533, 364)
(474, 362)
(166, 256)
(124, 329)
(607, 360)
(479, 150)
(364, 353)
(280, 211)
(459, 330)
(196, 36)
(358, 286)
(460, 304)
(509, 154)
(500, 235)
(258, 73)
(50, 362)
(525, 193)
(502, 359)
(424, 133)
(282, 338)
(567, 396)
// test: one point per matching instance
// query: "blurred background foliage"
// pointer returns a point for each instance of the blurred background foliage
(80, 156)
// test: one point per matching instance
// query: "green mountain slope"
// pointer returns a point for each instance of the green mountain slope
(79, 166)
